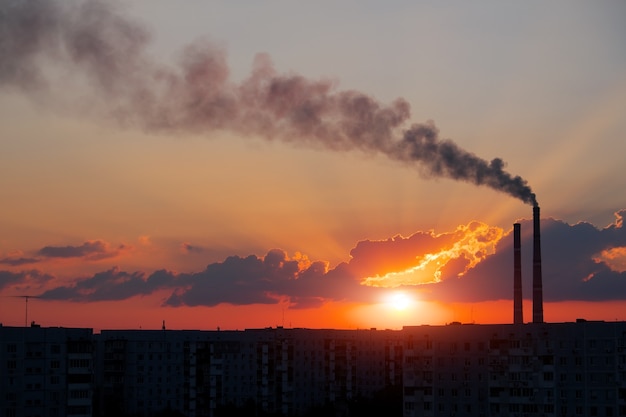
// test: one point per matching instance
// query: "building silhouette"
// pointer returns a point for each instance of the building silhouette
(275, 370)
(557, 369)
(46, 372)
(534, 369)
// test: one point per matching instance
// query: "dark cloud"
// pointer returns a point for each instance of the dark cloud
(11, 261)
(112, 285)
(189, 248)
(91, 250)
(255, 280)
(23, 279)
(236, 280)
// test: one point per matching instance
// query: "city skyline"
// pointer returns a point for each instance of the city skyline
(139, 190)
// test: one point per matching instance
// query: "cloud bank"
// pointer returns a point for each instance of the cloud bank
(91, 251)
(478, 266)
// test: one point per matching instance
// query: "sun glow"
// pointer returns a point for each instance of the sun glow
(400, 301)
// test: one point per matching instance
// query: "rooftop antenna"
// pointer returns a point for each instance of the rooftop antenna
(25, 297)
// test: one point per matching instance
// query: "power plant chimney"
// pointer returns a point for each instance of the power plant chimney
(537, 280)
(518, 314)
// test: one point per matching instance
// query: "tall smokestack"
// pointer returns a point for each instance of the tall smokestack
(537, 280)
(518, 314)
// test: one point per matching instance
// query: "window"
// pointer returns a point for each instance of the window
(76, 394)
(79, 363)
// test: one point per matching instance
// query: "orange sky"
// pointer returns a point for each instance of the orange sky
(428, 278)
(183, 170)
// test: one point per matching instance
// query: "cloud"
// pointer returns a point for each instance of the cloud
(91, 250)
(17, 258)
(267, 280)
(572, 269)
(614, 258)
(237, 280)
(144, 240)
(11, 261)
(420, 258)
(188, 248)
(111, 285)
(24, 279)
(473, 263)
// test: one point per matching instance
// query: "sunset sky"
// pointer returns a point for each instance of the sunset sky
(309, 164)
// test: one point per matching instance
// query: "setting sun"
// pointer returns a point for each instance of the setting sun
(400, 301)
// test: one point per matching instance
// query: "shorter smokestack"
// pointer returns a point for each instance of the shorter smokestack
(537, 279)
(518, 314)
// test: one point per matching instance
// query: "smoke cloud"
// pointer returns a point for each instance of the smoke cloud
(100, 47)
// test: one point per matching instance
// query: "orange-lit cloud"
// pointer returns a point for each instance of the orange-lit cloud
(472, 243)
(615, 258)
(570, 267)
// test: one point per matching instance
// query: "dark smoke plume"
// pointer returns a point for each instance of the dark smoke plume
(98, 46)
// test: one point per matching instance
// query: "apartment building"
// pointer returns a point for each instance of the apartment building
(538, 369)
(46, 372)
(558, 369)
(273, 370)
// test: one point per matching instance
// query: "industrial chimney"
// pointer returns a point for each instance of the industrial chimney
(518, 314)
(537, 280)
